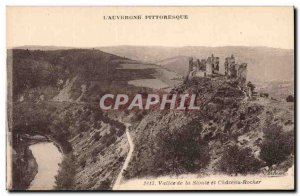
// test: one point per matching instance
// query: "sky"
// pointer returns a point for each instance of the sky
(205, 26)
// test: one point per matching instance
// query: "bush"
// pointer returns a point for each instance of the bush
(82, 163)
(290, 98)
(277, 145)
(94, 159)
(65, 178)
(120, 132)
(110, 140)
(105, 185)
(239, 161)
(97, 136)
(183, 150)
(97, 150)
(83, 127)
(138, 117)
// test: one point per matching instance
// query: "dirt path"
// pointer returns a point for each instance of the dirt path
(117, 183)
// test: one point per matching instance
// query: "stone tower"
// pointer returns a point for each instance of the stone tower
(242, 72)
(230, 67)
(190, 64)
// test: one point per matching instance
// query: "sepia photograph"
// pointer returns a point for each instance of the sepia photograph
(169, 98)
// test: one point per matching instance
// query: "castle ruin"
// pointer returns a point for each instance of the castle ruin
(232, 71)
(203, 67)
(210, 68)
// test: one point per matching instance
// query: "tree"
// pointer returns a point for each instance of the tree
(290, 98)
(237, 160)
(251, 86)
(277, 145)
(97, 136)
(105, 185)
(65, 177)
(183, 150)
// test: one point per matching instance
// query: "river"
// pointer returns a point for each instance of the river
(47, 157)
(149, 83)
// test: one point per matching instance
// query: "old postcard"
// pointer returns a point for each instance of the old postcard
(150, 98)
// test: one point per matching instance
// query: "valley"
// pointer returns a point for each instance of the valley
(103, 150)
(61, 103)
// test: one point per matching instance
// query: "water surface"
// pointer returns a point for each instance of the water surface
(47, 157)
(150, 83)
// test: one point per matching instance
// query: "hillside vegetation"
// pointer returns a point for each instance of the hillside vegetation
(229, 135)
(56, 94)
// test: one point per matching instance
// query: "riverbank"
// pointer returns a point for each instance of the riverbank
(25, 167)
(94, 146)
(25, 164)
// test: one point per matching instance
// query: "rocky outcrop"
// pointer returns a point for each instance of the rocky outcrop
(226, 119)
(25, 168)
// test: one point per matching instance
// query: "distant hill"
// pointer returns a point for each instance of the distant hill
(177, 64)
(64, 74)
(37, 47)
(264, 63)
